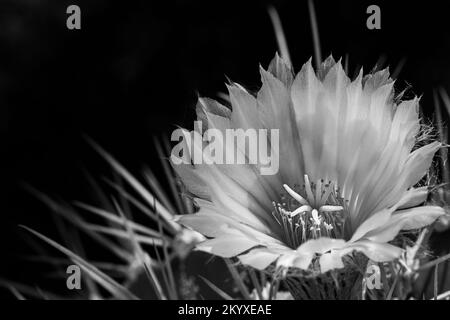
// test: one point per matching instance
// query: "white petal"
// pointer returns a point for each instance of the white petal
(376, 80)
(213, 114)
(281, 70)
(191, 180)
(320, 245)
(413, 198)
(211, 223)
(245, 113)
(277, 113)
(226, 246)
(416, 167)
(330, 261)
(229, 195)
(259, 258)
(378, 252)
(408, 219)
(375, 221)
(294, 259)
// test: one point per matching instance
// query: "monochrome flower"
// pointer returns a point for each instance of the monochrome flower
(350, 155)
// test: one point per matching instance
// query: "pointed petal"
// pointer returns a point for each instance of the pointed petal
(226, 246)
(245, 113)
(414, 197)
(281, 70)
(213, 114)
(408, 219)
(376, 80)
(325, 67)
(321, 245)
(277, 113)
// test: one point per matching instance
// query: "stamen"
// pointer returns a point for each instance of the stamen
(328, 226)
(295, 195)
(330, 208)
(315, 216)
(302, 209)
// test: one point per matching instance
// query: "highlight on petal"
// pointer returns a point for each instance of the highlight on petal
(299, 260)
(330, 261)
(321, 245)
(378, 252)
(259, 258)
(413, 198)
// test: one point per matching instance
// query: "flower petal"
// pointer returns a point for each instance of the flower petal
(295, 260)
(227, 246)
(408, 219)
(321, 245)
(413, 198)
(377, 220)
(277, 113)
(209, 222)
(245, 114)
(378, 252)
(281, 70)
(330, 261)
(259, 258)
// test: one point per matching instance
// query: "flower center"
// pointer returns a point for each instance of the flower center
(314, 210)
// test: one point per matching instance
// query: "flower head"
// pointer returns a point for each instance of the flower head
(348, 163)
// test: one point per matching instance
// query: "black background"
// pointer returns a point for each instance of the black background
(134, 71)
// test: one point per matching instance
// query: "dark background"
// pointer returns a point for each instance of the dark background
(134, 71)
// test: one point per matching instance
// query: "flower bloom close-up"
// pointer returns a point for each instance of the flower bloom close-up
(287, 150)
(353, 157)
